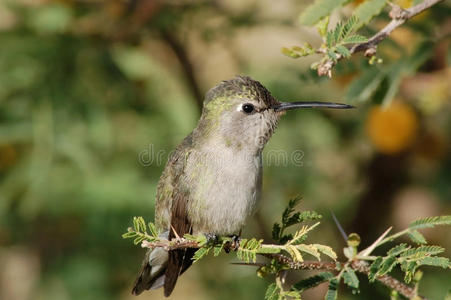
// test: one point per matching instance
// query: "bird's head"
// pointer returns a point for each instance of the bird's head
(243, 114)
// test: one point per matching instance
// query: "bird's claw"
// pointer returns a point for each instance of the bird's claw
(233, 245)
(211, 238)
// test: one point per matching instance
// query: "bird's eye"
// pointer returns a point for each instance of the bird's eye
(248, 108)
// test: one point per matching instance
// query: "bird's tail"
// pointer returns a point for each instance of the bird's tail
(152, 274)
(162, 268)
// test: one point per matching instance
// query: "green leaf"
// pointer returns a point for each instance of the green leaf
(387, 264)
(253, 244)
(138, 240)
(153, 230)
(290, 209)
(348, 28)
(350, 278)
(326, 250)
(200, 239)
(366, 11)
(285, 238)
(318, 10)
(322, 26)
(395, 251)
(331, 54)
(142, 225)
(353, 39)
(417, 237)
(312, 281)
(337, 33)
(430, 222)
(136, 223)
(374, 267)
(330, 39)
(295, 253)
(442, 262)
(129, 234)
(272, 292)
(276, 231)
(303, 216)
(343, 51)
(295, 295)
(248, 250)
(310, 249)
(289, 53)
(217, 249)
(422, 251)
(409, 269)
(332, 292)
(201, 252)
(190, 237)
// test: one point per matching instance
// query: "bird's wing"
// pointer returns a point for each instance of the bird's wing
(179, 260)
(161, 268)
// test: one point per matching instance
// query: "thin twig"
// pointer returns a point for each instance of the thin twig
(356, 264)
(181, 53)
(393, 283)
(398, 17)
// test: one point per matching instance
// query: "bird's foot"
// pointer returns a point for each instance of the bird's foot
(212, 239)
(233, 245)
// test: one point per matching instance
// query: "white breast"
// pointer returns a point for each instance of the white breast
(226, 192)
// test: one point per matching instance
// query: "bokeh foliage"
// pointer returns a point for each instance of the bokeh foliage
(88, 89)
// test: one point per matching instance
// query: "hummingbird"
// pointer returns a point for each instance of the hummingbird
(212, 181)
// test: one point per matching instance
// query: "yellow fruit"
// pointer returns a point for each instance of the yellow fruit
(404, 3)
(391, 129)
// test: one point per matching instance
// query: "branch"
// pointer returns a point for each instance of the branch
(180, 52)
(358, 265)
(398, 15)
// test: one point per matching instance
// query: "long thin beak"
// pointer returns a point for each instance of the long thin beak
(295, 105)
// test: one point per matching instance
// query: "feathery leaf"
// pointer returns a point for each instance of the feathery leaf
(332, 292)
(417, 237)
(430, 222)
(326, 250)
(201, 252)
(398, 249)
(366, 11)
(318, 10)
(387, 264)
(272, 292)
(442, 262)
(312, 281)
(350, 278)
(353, 39)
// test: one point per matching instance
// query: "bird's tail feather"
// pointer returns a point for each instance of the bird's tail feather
(179, 261)
(152, 274)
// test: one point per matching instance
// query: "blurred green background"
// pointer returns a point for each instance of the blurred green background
(95, 94)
